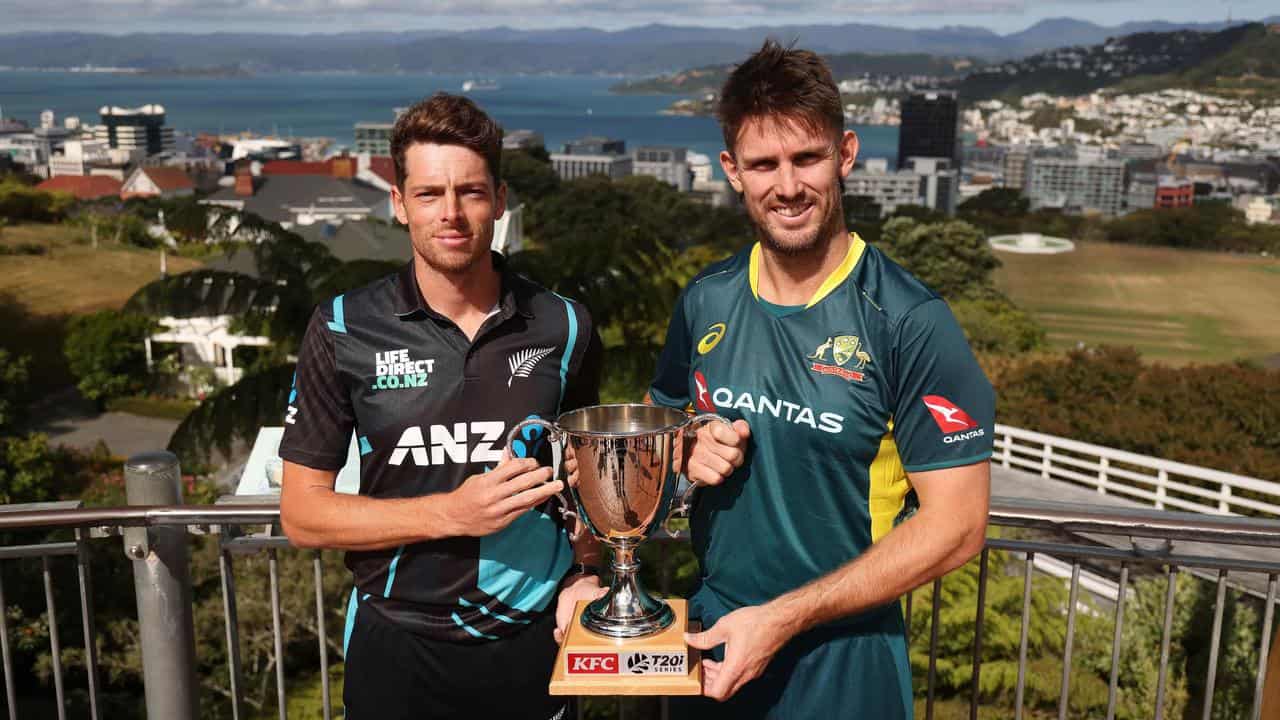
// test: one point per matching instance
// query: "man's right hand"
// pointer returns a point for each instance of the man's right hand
(717, 450)
(488, 502)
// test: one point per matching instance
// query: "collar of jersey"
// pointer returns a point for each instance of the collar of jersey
(837, 276)
(511, 299)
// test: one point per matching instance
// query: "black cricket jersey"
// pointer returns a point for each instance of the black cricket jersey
(430, 408)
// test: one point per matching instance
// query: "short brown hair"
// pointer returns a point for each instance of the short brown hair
(778, 81)
(447, 119)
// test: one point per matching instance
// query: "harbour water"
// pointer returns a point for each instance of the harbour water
(328, 105)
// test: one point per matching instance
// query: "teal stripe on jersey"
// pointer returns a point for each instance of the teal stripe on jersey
(486, 611)
(568, 345)
(522, 564)
(338, 323)
(470, 630)
(365, 447)
(352, 607)
(391, 572)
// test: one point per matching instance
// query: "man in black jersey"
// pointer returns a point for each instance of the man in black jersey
(459, 552)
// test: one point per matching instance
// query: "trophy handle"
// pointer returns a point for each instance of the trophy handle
(686, 500)
(555, 438)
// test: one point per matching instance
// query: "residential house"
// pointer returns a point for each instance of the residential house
(164, 182)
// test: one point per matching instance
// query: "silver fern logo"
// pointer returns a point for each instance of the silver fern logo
(522, 362)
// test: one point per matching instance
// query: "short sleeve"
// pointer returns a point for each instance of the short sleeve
(944, 410)
(583, 387)
(670, 385)
(319, 419)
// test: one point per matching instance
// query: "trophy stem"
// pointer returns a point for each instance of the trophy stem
(626, 610)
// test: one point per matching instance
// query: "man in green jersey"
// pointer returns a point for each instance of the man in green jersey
(856, 400)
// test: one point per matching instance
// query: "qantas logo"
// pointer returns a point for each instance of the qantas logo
(703, 400)
(955, 424)
(723, 398)
(450, 444)
(949, 417)
(592, 663)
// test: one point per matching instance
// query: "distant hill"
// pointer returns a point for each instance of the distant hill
(644, 50)
(1250, 66)
(1144, 60)
(844, 65)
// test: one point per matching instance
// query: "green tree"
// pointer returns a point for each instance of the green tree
(994, 324)
(953, 257)
(106, 354)
(13, 387)
(532, 178)
(22, 203)
(28, 469)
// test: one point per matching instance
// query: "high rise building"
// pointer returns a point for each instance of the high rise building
(884, 190)
(139, 128)
(594, 145)
(930, 127)
(593, 156)
(1077, 185)
(373, 138)
(939, 183)
(668, 164)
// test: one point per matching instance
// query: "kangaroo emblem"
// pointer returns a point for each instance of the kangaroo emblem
(821, 352)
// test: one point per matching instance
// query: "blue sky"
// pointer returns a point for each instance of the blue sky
(121, 16)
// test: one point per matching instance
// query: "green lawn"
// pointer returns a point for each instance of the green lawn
(1175, 306)
(39, 292)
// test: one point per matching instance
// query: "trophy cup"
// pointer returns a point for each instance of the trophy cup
(624, 463)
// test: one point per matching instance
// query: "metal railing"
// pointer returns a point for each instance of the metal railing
(1142, 478)
(1164, 544)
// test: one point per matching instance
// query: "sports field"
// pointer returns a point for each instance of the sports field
(1175, 306)
(39, 292)
(72, 277)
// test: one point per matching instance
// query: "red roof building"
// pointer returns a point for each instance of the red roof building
(84, 187)
(157, 182)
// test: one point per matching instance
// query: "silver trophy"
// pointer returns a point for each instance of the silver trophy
(623, 465)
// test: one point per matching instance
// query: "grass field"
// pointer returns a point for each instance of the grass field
(72, 277)
(38, 292)
(1175, 306)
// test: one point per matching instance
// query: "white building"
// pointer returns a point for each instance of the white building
(668, 164)
(884, 188)
(1076, 185)
(207, 342)
(78, 157)
(570, 167)
(1258, 210)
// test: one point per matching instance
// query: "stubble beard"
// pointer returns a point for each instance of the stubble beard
(807, 244)
(450, 264)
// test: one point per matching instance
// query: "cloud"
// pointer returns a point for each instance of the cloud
(341, 15)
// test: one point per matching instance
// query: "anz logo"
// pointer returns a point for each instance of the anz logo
(456, 443)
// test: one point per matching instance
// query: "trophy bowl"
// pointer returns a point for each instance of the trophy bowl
(623, 463)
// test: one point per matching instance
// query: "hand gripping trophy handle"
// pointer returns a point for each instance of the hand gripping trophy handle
(518, 441)
(685, 508)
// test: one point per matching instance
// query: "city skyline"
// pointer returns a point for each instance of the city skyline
(332, 16)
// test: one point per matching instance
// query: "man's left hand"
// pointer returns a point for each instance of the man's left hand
(579, 587)
(751, 637)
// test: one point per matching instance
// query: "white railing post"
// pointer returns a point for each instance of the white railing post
(1162, 479)
(1224, 504)
(1008, 448)
(1047, 462)
(1103, 463)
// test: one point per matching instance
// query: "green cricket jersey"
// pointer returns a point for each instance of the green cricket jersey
(871, 380)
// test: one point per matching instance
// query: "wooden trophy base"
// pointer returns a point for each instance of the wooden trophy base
(661, 664)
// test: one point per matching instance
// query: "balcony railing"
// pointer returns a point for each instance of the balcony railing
(1147, 480)
(1162, 544)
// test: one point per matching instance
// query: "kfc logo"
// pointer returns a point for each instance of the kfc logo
(949, 417)
(592, 663)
